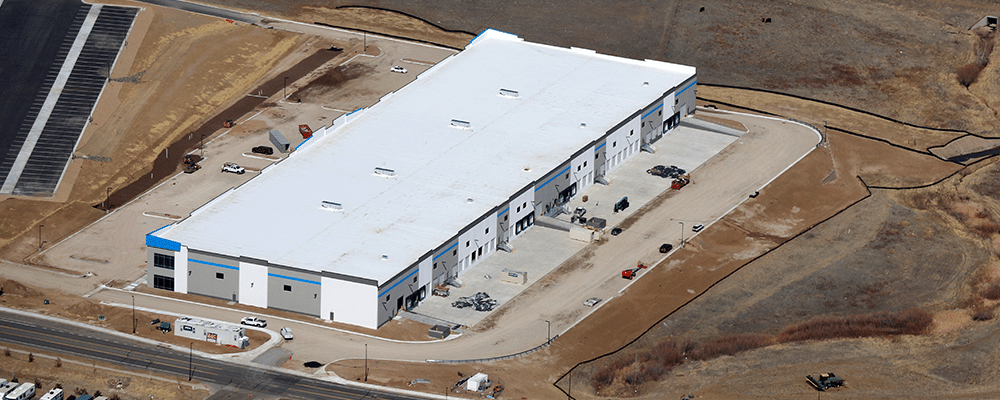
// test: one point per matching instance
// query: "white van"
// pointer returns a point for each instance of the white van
(54, 394)
(23, 392)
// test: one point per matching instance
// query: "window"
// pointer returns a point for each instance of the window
(518, 208)
(578, 167)
(163, 261)
(288, 288)
(505, 218)
(487, 231)
(480, 251)
(631, 131)
(659, 112)
(466, 243)
(454, 252)
(387, 297)
(414, 279)
(525, 205)
(643, 124)
(187, 328)
(676, 101)
(584, 163)
(163, 282)
(219, 275)
(435, 265)
(614, 144)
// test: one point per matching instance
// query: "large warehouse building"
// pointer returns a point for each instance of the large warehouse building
(425, 184)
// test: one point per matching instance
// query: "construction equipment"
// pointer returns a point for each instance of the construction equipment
(631, 273)
(190, 165)
(825, 381)
(228, 124)
(306, 131)
(440, 290)
(680, 182)
(578, 215)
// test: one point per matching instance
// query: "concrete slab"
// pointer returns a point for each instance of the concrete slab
(541, 249)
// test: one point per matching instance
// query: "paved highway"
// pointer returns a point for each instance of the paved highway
(65, 339)
(205, 10)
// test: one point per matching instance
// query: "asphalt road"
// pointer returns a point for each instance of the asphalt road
(205, 10)
(66, 339)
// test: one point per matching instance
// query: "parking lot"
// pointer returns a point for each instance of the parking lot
(540, 250)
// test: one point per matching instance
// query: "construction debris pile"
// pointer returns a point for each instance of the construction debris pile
(481, 301)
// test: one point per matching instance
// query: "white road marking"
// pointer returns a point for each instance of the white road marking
(50, 101)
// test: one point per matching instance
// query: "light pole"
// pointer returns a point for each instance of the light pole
(366, 42)
(191, 362)
(107, 202)
(682, 234)
(133, 314)
(40, 237)
(201, 145)
(366, 362)
(284, 89)
(548, 331)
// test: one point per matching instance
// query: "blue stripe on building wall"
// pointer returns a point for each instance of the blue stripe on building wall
(599, 147)
(444, 252)
(293, 279)
(552, 178)
(405, 278)
(213, 264)
(502, 213)
(653, 110)
(686, 88)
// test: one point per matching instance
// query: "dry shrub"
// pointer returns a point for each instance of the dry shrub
(730, 345)
(906, 322)
(38, 383)
(969, 73)
(982, 214)
(992, 292)
(605, 376)
(982, 313)
(986, 230)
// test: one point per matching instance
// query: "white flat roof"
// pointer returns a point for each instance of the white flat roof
(278, 216)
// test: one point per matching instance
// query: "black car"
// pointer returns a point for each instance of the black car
(616, 231)
(266, 150)
(665, 248)
(658, 170)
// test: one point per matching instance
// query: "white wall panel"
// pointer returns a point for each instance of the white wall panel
(479, 236)
(181, 274)
(350, 302)
(253, 284)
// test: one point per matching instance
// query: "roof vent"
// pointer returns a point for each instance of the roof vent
(385, 257)
(645, 84)
(385, 172)
(583, 125)
(470, 200)
(510, 94)
(457, 123)
(329, 205)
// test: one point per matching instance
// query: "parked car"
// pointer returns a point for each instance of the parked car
(616, 231)
(698, 228)
(233, 167)
(286, 333)
(266, 150)
(658, 170)
(398, 69)
(253, 321)
(591, 301)
(666, 247)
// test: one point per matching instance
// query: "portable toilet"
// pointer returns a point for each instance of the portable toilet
(279, 141)
(54, 394)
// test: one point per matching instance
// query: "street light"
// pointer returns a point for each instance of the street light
(40, 237)
(133, 314)
(548, 332)
(284, 89)
(107, 202)
(366, 362)
(682, 234)
(191, 362)
(201, 145)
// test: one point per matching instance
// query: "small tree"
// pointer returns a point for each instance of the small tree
(58, 362)
(31, 357)
(6, 352)
(38, 383)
